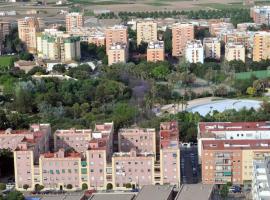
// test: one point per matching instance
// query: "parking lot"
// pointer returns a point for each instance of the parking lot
(189, 167)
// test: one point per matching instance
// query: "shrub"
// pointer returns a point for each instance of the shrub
(109, 186)
(2, 186)
(84, 186)
(69, 186)
(25, 186)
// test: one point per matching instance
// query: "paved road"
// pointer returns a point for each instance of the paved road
(190, 172)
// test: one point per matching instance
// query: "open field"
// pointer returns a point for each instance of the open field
(138, 5)
(6, 61)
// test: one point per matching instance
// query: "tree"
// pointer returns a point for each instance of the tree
(15, 195)
(26, 56)
(128, 185)
(224, 191)
(2, 186)
(59, 68)
(84, 186)
(109, 186)
(25, 186)
(38, 187)
(251, 91)
(142, 47)
(160, 72)
(69, 186)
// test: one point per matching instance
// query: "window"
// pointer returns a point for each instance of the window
(63, 171)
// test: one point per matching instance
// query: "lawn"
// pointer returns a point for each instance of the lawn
(6, 61)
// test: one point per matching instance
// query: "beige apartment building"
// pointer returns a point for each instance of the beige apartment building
(4, 31)
(117, 53)
(261, 46)
(28, 28)
(74, 20)
(212, 48)
(181, 33)
(116, 34)
(146, 31)
(155, 51)
(56, 45)
(235, 51)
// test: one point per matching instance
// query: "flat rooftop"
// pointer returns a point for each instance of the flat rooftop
(195, 191)
(112, 196)
(215, 127)
(155, 192)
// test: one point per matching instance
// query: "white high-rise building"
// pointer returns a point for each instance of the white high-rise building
(194, 52)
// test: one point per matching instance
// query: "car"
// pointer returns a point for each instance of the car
(235, 189)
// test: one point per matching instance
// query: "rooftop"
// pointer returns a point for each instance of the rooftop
(194, 44)
(156, 45)
(112, 196)
(235, 144)
(169, 134)
(195, 191)
(155, 192)
(207, 128)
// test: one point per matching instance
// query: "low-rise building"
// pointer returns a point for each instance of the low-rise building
(212, 48)
(235, 51)
(117, 53)
(194, 52)
(155, 51)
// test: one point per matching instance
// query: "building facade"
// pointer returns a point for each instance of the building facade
(4, 31)
(261, 46)
(116, 34)
(194, 52)
(181, 34)
(56, 45)
(226, 150)
(118, 53)
(212, 48)
(235, 51)
(28, 28)
(74, 20)
(86, 157)
(146, 31)
(155, 51)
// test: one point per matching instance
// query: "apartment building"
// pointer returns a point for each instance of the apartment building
(216, 28)
(244, 26)
(74, 20)
(181, 34)
(155, 51)
(86, 157)
(132, 168)
(57, 45)
(194, 52)
(78, 139)
(37, 137)
(89, 34)
(28, 28)
(226, 150)
(66, 168)
(4, 31)
(261, 46)
(146, 31)
(118, 53)
(236, 36)
(116, 34)
(261, 180)
(260, 14)
(169, 154)
(235, 51)
(142, 140)
(212, 48)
